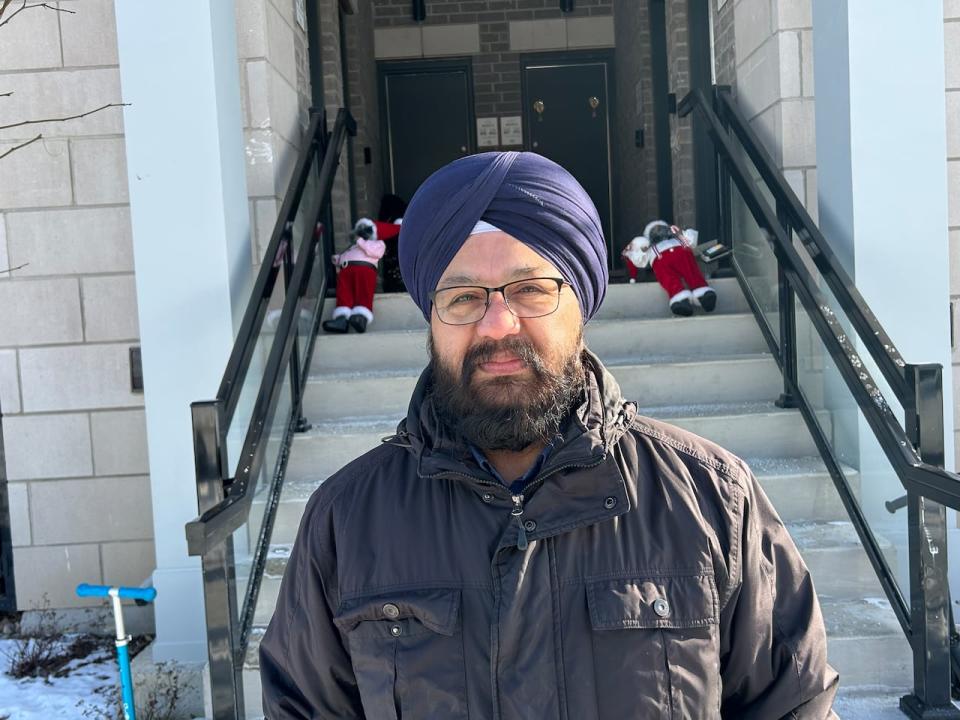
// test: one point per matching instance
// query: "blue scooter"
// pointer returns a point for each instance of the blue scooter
(116, 594)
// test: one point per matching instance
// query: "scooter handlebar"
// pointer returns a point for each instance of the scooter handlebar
(126, 593)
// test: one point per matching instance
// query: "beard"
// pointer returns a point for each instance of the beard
(508, 412)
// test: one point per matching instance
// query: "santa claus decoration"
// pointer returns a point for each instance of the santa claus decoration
(356, 280)
(669, 252)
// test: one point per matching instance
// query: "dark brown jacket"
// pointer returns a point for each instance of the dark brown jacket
(657, 582)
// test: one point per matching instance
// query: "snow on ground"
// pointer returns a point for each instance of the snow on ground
(84, 692)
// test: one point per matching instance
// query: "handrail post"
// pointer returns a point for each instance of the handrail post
(788, 322)
(219, 569)
(927, 538)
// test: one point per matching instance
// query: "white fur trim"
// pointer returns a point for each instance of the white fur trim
(341, 311)
(483, 227)
(682, 295)
(651, 225)
(701, 291)
(361, 310)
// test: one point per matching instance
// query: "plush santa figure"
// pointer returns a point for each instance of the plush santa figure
(669, 252)
(356, 280)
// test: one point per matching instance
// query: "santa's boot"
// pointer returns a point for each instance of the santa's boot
(358, 323)
(336, 325)
(708, 300)
(683, 308)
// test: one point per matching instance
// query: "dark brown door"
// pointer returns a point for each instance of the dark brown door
(428, 121)
(567, 118)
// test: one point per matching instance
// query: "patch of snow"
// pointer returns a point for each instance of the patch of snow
(91, 681)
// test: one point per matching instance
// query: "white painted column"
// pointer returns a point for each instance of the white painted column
(882, 188)
(179, 72)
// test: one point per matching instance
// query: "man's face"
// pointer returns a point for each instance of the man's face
(503, 381)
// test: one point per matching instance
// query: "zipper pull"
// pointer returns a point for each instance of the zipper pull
(517, 512)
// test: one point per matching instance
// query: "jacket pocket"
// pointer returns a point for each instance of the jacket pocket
(655, 646)
(407, 653)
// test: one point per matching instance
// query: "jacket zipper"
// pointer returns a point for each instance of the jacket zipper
(517, 512)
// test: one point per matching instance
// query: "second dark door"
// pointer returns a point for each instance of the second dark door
(567, 119)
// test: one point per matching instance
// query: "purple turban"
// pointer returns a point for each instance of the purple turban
(525, 195)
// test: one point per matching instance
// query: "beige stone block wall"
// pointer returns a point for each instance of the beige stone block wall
(275, 90)
(951, 42)
(73, 429)
(774, 84)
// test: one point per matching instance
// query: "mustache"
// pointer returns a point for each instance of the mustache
(488, 349)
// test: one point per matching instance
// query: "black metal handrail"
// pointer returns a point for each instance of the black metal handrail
(225, 500)
(914, 450)
(928, 480)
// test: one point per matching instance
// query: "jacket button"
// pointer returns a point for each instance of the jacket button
(610, 503)
(391, 611)
(396, 631)
(661, 607)
(488, 497)
(530, 525)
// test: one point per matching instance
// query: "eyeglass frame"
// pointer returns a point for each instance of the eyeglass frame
(490, 290)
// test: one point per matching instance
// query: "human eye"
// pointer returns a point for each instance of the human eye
(462, 296)
(532, 287)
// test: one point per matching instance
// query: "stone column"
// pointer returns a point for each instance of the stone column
(188, 202)
(882, 192)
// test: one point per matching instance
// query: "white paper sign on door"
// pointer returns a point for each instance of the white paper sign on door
(511, 130)
(488, 132)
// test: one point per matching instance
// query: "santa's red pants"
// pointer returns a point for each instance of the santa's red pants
(631, 268)
(675, 267)
(356, 285)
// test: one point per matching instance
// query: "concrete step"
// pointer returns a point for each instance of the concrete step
(865, 643)
(396, 311)
(615, 341)
(836, 559)
(749, 378)
(801, 489)
(748, 429)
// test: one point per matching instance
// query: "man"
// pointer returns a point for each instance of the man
(527, 545)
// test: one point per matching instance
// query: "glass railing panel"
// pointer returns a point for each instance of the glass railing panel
(274, 436)
(852, 597)
(302, 220)
(755, 258)
(252, 380)
(310, 304)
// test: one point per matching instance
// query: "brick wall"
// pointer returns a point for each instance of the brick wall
(74, 432)
(724, 43)
(637, 186)
(364, 105)
(681, 135)
(334, 99)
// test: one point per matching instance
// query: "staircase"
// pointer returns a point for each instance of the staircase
(709, 374)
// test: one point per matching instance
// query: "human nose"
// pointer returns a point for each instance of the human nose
(498, 322)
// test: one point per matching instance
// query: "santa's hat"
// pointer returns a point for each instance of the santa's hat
(365, 228)
(651, 225)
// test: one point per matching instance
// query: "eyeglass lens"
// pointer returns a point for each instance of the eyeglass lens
(525, 298)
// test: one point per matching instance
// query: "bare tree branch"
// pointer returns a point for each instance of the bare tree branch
(62, 119)
(18, 267)
(28, 7)
(6, 94)
(21, 145)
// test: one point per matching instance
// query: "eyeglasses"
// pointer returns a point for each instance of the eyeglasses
(467, 304)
